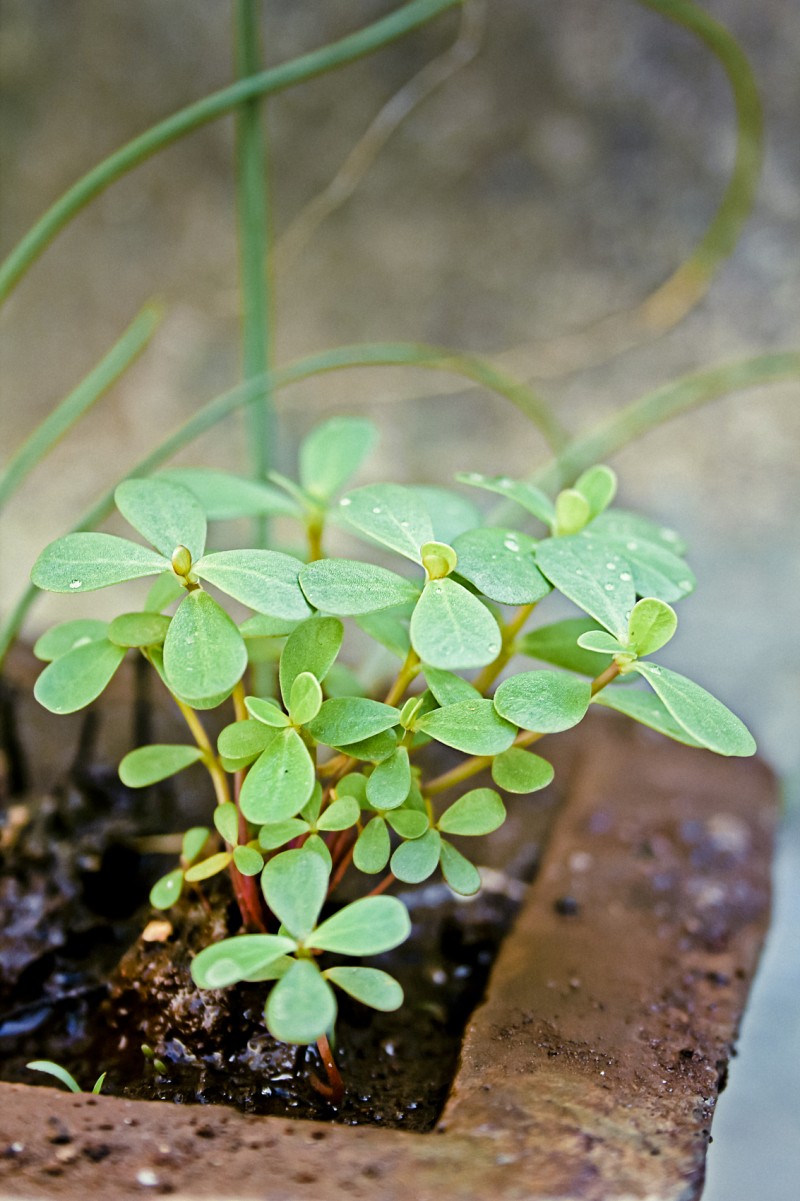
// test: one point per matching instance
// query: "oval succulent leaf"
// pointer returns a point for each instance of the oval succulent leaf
(208, 867)
(599, 486)
(414, 861)
(280, 782)
(451, 628)
(247, 860)
(501, 565)
(264, 580)
(449, 688)
(369, 985)
(544, 701)
(366, 927)
(474, 727)
(266, 711)
(408, 823)
(529, 497)
(312, 646)
(572, 512)
(138, 629)
(346, 719)
(149, 764)
(389, 628)
(390, 515)
(270, 837)
(597, 579)
(341, 815)
(164, 592)
(333, 452)
(558, 644)
(245, 739)
(601, 642)
(63, 638)
(85, 562)
(166, 891)
(77, 678)
(226, 822)
(620, 523)
(295, 885)
(390, 782)
(223, 495)
(373, 848)
(645, 707)
(451, 514)
(462, 876)
(521, 771)
(698, 712)
(193, 842)
(166, 514)
(371, 750)
(302, 1006)
(305, 699)
(479, 811)
(204, 653)
(235, 959)
(651, 626)
(657, 572)
(349, 588)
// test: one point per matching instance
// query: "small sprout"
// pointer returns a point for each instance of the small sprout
(181, 560)
(438, 559)
(61, 1074)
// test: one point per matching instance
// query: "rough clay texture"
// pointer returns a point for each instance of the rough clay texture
(590, 1072)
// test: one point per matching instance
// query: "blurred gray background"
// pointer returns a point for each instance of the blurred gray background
(559, 175)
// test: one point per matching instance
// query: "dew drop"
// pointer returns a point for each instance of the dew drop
(579, 571)
(505, 481)
(75, 583)
(404, 524)
(656, 671)
(345, 501)
(668, 535)
(494, 648)
(511, 544)
(609, 587)
(377, 509)
(81, 642)
(632, 545)
(611, 566)
(625, 576)
(685, 584)
(474, 477)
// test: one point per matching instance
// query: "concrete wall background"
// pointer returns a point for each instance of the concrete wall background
(560, 176)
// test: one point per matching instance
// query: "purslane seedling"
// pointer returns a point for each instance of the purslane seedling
(317, 778)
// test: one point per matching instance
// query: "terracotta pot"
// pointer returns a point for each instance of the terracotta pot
(590, 1071)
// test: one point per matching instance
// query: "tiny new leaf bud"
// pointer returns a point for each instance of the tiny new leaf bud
(181, 561)
(438, 559)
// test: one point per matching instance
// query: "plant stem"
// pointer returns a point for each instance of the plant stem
(489, 674)
(406, 674)
(334, 1090)
(387, 881)
(253, 223)
(210, 761)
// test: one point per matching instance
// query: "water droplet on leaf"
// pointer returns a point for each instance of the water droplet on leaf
(75, 583)
(345, 501)
(626, 576)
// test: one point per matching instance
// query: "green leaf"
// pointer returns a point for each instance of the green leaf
(390, 782)
(313, 647)
(500, 563)
(645, 707)
(277, 834)
(438, 559)
(226, 822)
(302, 1006)
(450, 513)
(166, 514)
(248, 861)
(601, 642)
(470, 726)
(264, 580)
(346, 719)
(267, 711)
(55, 1070)
(572, 512)
(77, 678)
(652, 624)
(391, 515)
(371, 750)
(317, 846)
(354, 785)
(477, 812)
(698, 712)
(366, 927)
(520, 771)
(85, 562)
(341, 681)
(305, 699)
(313, 806)
(372, 850)
(149, 764)
(414, 861)
(449, 688)
(622, 524)
(530, 498)
(235, 959)
(657, 572)
(193, 842)
(138, 629)
(595, 578)
(63, 638)
(223, 495)
(166, 891)
(369, 985)
(295, 884)
(350, 588)
(262, 625)
(341, 815)
(280, 782)
(164, 592)
(245, 739)
(558, 644)
(208, 867)
(462, 876)
(544, 701)
(598, 485)
(204, 653)
(333, 452)
(408, 823)
(451, 628)
(389, 628)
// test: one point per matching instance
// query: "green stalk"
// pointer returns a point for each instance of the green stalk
(253, 220)
(61, 419)
(186, 120)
